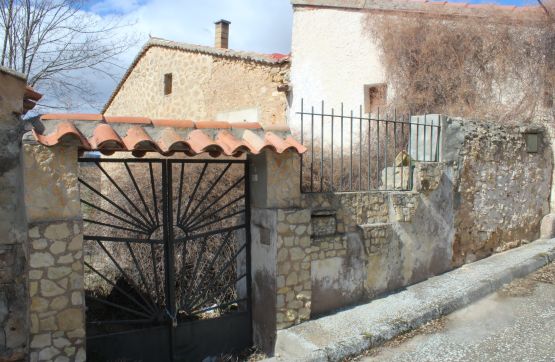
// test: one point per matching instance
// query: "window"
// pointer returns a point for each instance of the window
(168, 79)
(375, 96)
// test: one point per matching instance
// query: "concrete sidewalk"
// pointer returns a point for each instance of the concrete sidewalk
(354, 330)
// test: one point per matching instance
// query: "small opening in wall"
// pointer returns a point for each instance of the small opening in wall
(532, 142)
(375, 96)
(168, 80)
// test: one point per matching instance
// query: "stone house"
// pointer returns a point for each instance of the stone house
(183, 81)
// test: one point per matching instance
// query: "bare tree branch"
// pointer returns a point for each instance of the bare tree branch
(51, 40)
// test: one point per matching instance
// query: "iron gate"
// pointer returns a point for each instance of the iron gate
(167, 258)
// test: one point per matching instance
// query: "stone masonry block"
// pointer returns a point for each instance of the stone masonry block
(547, 230)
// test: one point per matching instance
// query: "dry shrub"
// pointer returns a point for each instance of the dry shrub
(468, 67)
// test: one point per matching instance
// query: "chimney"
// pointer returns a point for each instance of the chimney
(222, 34)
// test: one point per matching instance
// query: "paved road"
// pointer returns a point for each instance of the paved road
(514, 324)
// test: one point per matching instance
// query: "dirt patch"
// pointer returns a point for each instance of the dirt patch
(525, 287)
(545, 275)
(431, 327)
(518, 288)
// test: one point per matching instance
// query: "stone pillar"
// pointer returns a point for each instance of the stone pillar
(280, 231)
(13, 301)
(55, 252)
(294, 285)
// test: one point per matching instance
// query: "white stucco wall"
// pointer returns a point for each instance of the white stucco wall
(333, 58)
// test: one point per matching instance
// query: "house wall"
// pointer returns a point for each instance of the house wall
(333, 58)
(205, 87)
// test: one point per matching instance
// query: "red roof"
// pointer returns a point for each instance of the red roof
(95, 132)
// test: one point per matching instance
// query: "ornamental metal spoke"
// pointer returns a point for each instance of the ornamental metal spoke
(129, 280)
(115, 226)
(155, 203)
(180, 192)
(124, 194)
(197, 263)
(135, 301)
(202, 279)
(217, 220)
(113, 215)
(123, 321)
(139, 193)
(143, 226)
(155, 272)
(207, 217)
(214, 294)
(217, 200)
(192, 196)
(210, 284)
(138, 266)
(205, 196)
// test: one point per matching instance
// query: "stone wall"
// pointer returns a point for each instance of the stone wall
(205, 87)
(381, 242)
(460, 210)
(293, 267)
(56, 292)
(55, 253)
(13, 300)
(502, 191)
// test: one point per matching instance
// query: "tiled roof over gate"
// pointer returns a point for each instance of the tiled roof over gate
(93, 132)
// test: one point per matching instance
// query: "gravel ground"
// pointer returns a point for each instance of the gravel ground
(517, 323)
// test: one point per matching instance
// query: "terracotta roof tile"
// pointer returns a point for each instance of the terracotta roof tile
(104, 136)
(175, 123)
(137, 120)
(140, 135)
(66, 133)
(246, 125)
(212, 124)
(73, 117)
(138, 139)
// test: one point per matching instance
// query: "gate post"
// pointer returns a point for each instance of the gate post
(280, 237)
(54, 252)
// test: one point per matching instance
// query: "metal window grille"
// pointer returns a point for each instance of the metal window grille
(353, 151)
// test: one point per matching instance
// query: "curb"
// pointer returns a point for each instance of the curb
(465, 286)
